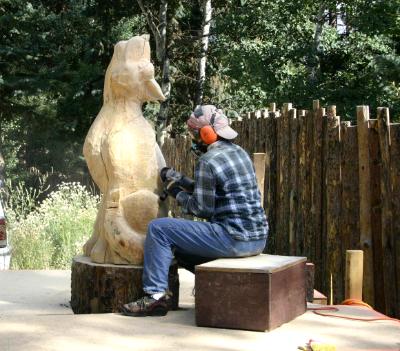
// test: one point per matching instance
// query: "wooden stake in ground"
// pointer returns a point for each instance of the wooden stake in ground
(283, 209)
(259, 165)
(354, 274)
(365, 201)
(301, 179)
(375, 163)
(388, 246)
(270, 195)
(333, 202)
(293, 184)
(395, 180)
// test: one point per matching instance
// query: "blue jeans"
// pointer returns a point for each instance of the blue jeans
(203, 239)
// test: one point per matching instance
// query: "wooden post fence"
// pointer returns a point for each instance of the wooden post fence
(328, 187)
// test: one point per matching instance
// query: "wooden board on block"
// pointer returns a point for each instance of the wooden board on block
(319, 298)
(254, 293)
(254, 264)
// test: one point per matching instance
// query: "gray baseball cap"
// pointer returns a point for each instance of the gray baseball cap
(204, 115)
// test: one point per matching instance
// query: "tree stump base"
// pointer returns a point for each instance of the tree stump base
(104, 288)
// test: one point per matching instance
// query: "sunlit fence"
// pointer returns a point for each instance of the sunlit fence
(330, 186)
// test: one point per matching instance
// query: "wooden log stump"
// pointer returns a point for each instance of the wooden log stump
(104, 288)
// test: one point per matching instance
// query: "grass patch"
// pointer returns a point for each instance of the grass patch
(50, 234)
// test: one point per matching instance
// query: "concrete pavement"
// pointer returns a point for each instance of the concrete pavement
(35, 316)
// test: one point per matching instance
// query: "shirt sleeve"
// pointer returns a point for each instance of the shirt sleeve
(202, 202)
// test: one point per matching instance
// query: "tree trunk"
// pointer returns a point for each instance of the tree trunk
(207, 13)
(2, 166)
(2, 163)
(162, 118)
(104, 288)
(160, 35)
(313, 57)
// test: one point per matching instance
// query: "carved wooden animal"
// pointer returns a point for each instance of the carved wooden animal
(123, 157)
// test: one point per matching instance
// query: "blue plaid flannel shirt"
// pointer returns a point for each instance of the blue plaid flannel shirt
(226, 192)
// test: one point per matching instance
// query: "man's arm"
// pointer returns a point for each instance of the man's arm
(202, 202)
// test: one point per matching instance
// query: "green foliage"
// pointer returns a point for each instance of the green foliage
(265, 51)
(21, 199)
(12, 144)
(53, 56)
(52, 62)
(49, 235)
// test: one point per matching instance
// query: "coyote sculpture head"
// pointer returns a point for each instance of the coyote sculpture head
(131, 73)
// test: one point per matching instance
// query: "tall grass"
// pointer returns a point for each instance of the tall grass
(48, 235)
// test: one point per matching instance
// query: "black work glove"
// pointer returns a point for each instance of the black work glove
(168, 174)
(171, 178)
(164, 172)
(175, 182)
(173, 188)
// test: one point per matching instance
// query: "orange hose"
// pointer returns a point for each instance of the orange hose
(351, 302)
(355, 302)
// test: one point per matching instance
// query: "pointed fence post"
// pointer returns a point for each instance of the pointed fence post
(388, 241)
(364, 177)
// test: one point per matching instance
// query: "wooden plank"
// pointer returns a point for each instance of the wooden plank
(388, 249)
(250, 139)
(320, 298)
(279, 186)
(244, 134)
(349, 219)
(333, 210)
(302, 180)
(308, 234)
(259, 165)
(271, 180)
(258, 132)
(267, 182)
(252, 142)
(239, 129)
(254, 264)
(395, 179)
(354, 274)
(364, 180)
(310, 278)
(316, 192)
(293, 185)
(376, 218)
(283, 213)
(324, 286)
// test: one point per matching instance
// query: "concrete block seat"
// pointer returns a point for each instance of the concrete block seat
(253, 293)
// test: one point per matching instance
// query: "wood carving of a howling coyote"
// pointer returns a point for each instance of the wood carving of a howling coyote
(123, 157)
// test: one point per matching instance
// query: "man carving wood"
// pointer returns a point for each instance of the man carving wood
(224, 192)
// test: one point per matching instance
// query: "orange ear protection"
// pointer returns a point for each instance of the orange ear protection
(207, 133)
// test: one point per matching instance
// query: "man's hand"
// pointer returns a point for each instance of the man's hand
(163, 173)
(175, 182)
(173, 188)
